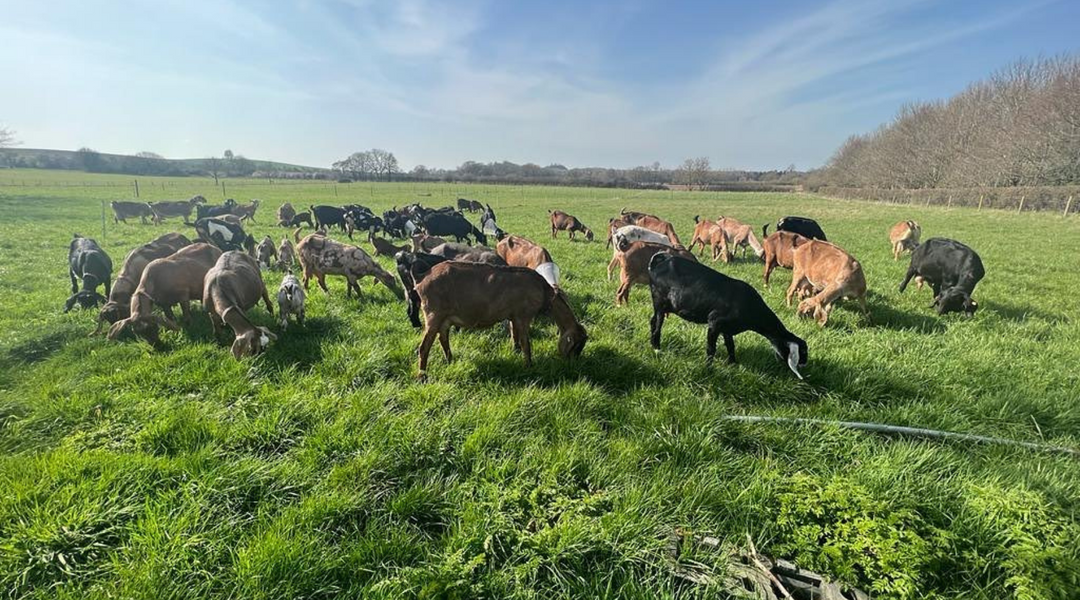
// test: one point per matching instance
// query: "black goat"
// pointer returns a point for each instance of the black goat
(328, 216)
(808, 228)
(411, 268)
(204, 211)
(88, 262)
(728, 306)
(452, 224)
(952, 269)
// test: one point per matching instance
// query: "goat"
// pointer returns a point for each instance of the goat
(452, 224)
(321, 256)
(738, 234)
(266, 253)
(904, 237)
(808, 228)
(119, 305)
(779, 249)
(383, 247)
(474, 296)
(653, 223)
(175, 279)
(328, 216)
(951, 269)
(286, 255)
(467, 253)
(561, 221)
(205, 211)
(232, 286)
(423, 242)
(246, 212)
(469, 205)
(832, 274)
(175, 208)
(520, 252)
(728, 306)
(300, 218)
(708, 233)
(285, 215)
(122, 211)
(632, 233)
(224, 234)
(634, 260)
(89, 263)
(290, 298)
(413, 267)
(614, 225)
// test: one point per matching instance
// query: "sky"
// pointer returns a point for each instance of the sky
(753, 85)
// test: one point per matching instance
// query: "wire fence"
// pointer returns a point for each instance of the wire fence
(1062, 199)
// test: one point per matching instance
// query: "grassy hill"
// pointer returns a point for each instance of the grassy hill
(324, 468)
(100, 162)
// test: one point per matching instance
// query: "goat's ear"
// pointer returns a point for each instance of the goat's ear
(118, 328)
(70, 302)
(238, 347)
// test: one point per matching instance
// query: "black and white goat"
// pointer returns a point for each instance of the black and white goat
(290, 299)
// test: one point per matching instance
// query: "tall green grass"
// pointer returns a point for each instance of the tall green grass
(324, 468)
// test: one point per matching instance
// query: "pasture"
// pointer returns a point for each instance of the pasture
(323, 467)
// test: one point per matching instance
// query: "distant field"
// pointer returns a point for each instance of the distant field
(323, 467)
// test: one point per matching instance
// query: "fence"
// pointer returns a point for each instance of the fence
(1063, 199)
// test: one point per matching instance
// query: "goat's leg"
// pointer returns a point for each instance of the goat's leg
(769, 266)
(322, 282)
(610, 266)
(796, 282)
(910, 273)
(266, 299)
(430, 331)
(444, 341)
(521, 332)
(729, 344)
(656, 324)
(710, 342)
(108, 287)
(185, 311)
(74, 283)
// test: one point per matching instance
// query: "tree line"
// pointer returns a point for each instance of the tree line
(1019, 127)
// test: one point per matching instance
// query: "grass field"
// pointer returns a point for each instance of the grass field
(323, 467)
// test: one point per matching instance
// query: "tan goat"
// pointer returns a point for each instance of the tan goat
(119, 305)
(904, 237)
(708, 233)
(384, 247)
(232, 286)
(478, 296)
(634, 261)
(779, 249)
(653, 223)
(832, 273)
(738, 234)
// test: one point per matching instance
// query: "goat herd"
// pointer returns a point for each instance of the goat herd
(453, 283)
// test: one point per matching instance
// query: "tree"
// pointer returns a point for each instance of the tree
(90, 159)
(228, 155)
(213, 167)
(693, 171)
(420, 172)
(145, 154)
(7, 137)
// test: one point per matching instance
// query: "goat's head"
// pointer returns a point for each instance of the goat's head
(793, 351)
(589, 234)
(252, 342)
(955, 299)
(148, 328)
(86, 299)
(812, 307)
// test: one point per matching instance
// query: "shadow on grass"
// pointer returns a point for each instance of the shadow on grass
(302, 346)
(1018, 314)
(35, 350)
(600, 366)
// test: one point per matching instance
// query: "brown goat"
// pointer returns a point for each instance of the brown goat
(904, 237)
(285, 215)
(521, 252)
(423, 242)
(286, 255)
(654, 223)
(708, 233)
(383, 247)
(779, 249)
(119, 305)
(832, 273)
(474, 296)
(266, 252)
(166, 282)
(738, 234)
(321, 256)
(561, 221)
(246, 212)
(233, 286)
(634, 262)
(175, 208)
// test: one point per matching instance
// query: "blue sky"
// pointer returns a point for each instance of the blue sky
(750, 84)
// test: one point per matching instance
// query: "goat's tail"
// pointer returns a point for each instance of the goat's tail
(765, 231)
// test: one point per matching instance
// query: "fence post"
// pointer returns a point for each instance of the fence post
(1021, 207)
(950, 201)
(928, 199)
(1068, 205)
(102, 220)
(222, 188)
(136, 188)
(981, 196)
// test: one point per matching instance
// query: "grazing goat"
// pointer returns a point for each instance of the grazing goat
(561, 221)
(301, 218)
(286, 255)
(520, 252)
(328, 216)
(205, 211)
(779, 251)
(904, 237)
(122, 211)
(246, 212)
(728, 306)
(383, 247)
(423, 242)
(476, 296)
(285, 215)
(290, 298)
(233, 286)
(654, 223)
(166, 282)
(469, 205)
(89, 263)
(808, 228)
(738, 234)
(224, 234)
(831, 273)
(634, 260)
(321, 256)
(614, 225)
(266, 253)
(708, 233)
(119, 305)
(413, 267)
(632, 233)
(452, 224)
(952, 269)
(467, 253)
(175, 208)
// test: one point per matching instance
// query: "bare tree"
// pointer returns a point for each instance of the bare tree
(145, 154)
(694, 171)
(7, 137)
(213, 167)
